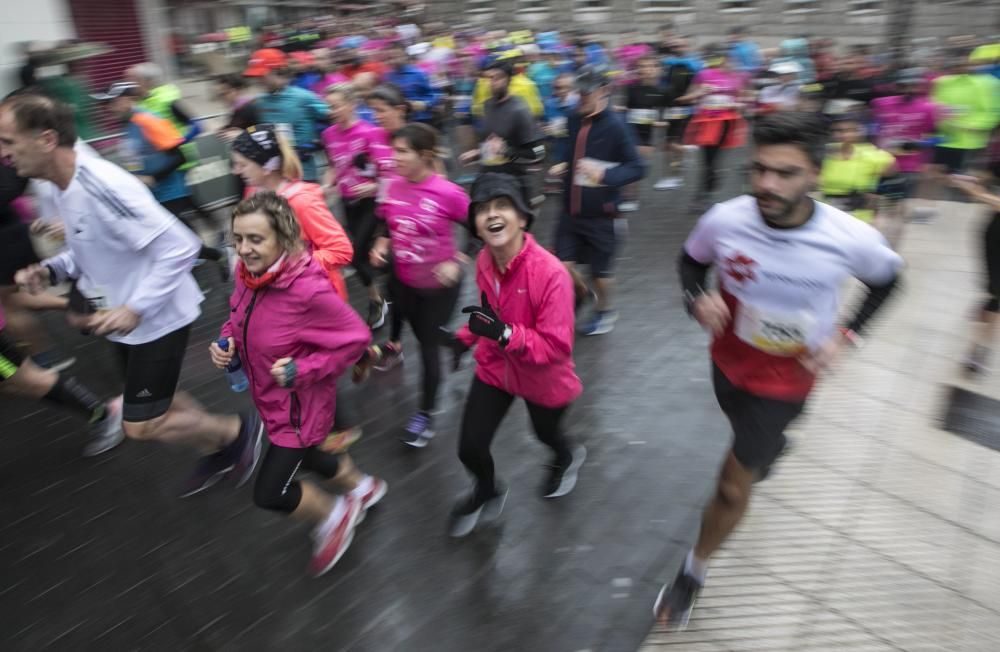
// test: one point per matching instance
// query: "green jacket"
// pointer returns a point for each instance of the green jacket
(972, 109)
(159, 102)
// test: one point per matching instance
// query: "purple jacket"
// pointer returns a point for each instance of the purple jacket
(300, 316)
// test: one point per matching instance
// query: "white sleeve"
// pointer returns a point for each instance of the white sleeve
(873, 261)
(700, 244)
(63, 266)
(136, 217)
(173, 257)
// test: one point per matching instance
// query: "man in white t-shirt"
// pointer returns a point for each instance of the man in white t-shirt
(782, 259)
(130, 261)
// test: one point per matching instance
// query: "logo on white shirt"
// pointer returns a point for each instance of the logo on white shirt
(740, 267)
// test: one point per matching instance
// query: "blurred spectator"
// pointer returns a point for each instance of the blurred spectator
(164, 100)
(971, 102)
(231, 90)
(304, 71)
(850, 81)
(295, 112)
(413, 82)
(743, 52)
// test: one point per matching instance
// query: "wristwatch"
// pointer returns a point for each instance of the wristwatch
(505, 336)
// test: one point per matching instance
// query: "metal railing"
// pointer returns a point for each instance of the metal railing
(115, 136)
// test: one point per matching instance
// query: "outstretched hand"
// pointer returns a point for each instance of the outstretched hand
(483, 320)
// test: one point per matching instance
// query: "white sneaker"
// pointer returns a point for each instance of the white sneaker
(668, 183)
(628, 207)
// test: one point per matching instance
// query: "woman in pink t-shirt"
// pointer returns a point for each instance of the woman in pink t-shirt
(717, 123)
(353, 148)
(420, 208)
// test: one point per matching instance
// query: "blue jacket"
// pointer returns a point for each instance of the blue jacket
(304, 112)
(143, 156)
(605, 137)
(416, 87)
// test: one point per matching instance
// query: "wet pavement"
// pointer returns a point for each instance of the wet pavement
(99, 554)
(875, 505)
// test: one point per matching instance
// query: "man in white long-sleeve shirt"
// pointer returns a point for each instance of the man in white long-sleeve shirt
(130, 261)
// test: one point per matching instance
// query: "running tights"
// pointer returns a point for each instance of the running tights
(276, 487)
(485, 408)
(710, 156)
(427, 310)
(361, 223)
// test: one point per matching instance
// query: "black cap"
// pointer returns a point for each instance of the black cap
(505, 66)
(591, 77)
(491, 185)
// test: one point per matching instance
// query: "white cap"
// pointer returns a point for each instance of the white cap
(786, 68)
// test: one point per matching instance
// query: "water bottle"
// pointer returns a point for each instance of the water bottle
(234, 370)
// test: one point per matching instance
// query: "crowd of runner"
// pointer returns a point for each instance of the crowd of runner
(413, 160)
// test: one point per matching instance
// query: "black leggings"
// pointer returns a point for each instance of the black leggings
(485, 408)
(710, 155)
(185, 206)
(276, 487)
(361, 223)
(427, 310)
(991, 249)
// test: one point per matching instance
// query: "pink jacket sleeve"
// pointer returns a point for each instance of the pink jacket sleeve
(551, 340)
(337, 334)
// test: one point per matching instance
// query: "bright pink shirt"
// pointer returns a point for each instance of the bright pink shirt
(342, 148)
(420, 218)
(727, 84)
(900, 121)
(327, 81)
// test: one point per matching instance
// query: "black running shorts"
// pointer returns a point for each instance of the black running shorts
(758, 423)
(587, 241)
(10, 357)
(151, 373)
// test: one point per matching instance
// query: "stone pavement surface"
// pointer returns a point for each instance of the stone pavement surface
(879, 531)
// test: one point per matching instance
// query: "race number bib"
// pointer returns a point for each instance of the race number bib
(642, 116)
(557, 127)
(492, 153)
(716, 101)
(676, 113)
(777, 333)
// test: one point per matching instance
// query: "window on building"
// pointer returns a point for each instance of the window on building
(737, 5)
(479, 6)
(533, 6)
(592, 5)
(802, 6)
(864, 6)
(649, 6)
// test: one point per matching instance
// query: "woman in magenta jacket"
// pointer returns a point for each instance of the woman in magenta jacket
(523, 334)
(294, 336)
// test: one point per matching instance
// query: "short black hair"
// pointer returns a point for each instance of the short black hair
(805, 130)
(37, 112)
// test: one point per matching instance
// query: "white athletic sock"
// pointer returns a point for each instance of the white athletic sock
(695, 567)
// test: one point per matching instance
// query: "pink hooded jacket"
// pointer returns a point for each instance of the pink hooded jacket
(535, 297)
(300, 316)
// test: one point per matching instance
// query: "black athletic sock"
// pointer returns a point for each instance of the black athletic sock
(70, 394)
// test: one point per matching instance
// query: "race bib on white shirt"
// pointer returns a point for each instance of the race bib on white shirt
(642, 116)
(676, 113)
(785, 334)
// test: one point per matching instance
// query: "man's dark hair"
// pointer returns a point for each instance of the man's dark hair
(506, 66)
(807, 131)
(36, 112)
(232, 80)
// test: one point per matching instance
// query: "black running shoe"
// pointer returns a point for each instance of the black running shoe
(676, 600)
(562, 477)
(470, 510)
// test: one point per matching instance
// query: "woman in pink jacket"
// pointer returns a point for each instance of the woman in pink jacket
(266, 161)
(354, 148)
(523, 334)
(295, 336)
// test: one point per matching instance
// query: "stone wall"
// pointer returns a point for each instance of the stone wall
(769, 21)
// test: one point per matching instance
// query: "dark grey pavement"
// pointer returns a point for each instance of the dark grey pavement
(98, 554)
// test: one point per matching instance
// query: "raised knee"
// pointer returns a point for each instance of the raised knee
(732, 494)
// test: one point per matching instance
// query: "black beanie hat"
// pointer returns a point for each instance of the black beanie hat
(491, 185)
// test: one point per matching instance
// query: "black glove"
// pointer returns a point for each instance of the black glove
(457, 346)
(483, 321)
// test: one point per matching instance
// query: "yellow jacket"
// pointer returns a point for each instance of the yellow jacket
(520, 86)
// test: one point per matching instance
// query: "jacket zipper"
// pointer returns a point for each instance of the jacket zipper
(506, 358)
(246, 328)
